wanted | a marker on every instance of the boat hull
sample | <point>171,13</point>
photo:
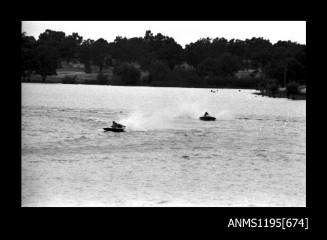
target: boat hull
<point>207,118</point>
<point>114,129</point>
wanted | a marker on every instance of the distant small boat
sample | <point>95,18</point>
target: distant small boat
<point>207,118</point>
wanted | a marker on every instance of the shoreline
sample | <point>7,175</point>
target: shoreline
<point>143,85</point>
<point>281,94</point>
<point>122,85</point>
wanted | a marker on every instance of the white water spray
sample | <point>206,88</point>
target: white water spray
<point>170,111</point>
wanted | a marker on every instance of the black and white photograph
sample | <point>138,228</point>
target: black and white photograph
<point>163,113</point>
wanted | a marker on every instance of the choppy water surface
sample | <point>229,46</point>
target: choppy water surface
<point>253,155</point>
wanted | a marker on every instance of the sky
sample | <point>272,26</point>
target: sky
<point>184,32</point>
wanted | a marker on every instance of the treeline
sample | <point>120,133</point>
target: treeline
<point>204,63</point>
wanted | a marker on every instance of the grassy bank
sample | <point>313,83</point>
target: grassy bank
<point>73,76</point>
<point>283,94</point>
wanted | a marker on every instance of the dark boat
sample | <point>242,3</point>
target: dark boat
<point>114,129</point>
<point>207,118</point>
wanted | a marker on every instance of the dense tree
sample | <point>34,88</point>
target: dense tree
<point>237,48</point>
<point>259,52</point>
<point>165,49</point>
<point>183,77</point>
<point>272,86</point>
<point>102,79</point>
<point>196,52</point>
<point>85,54</point>
<point>28,45</point>
<point>292,89</point>
<point>100,53</point>
<point>54,40</point>
<point>70,46</point>
<point>230,63</point>
<point>213,62</point>
<point>158,72</point>
<point>218,47</point>
<point>288,62</point>
<point>128,74</point>
<point>130,50</point>
<point>46,61</point>
<point>210,67</point>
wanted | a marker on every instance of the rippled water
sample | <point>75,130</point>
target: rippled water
<point>253,155</point>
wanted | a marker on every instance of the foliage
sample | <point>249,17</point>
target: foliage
<point>183,77</point>
<point>220,81</point>
<point>85,54</point>
<point>248,82</point>
<point>27,56</point>
<point>288,62</point>
<point>272,86</point>
<point>164,48</point>
<point>99,50</point>
<point>225,65</point>
<point>158,71</point>
<point>87,67</point>
<point>70,46</point>
<point>128,74</point>
<point>198,51</point>
<point>214,61</point>
<point>102,79</point>
<point>209,67</point>
<point>69,79</point>
<point>46,61</point>
<point>292,88</point>
<point>229,63</point>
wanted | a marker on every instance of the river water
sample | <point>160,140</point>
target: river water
<point>253,155</point>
